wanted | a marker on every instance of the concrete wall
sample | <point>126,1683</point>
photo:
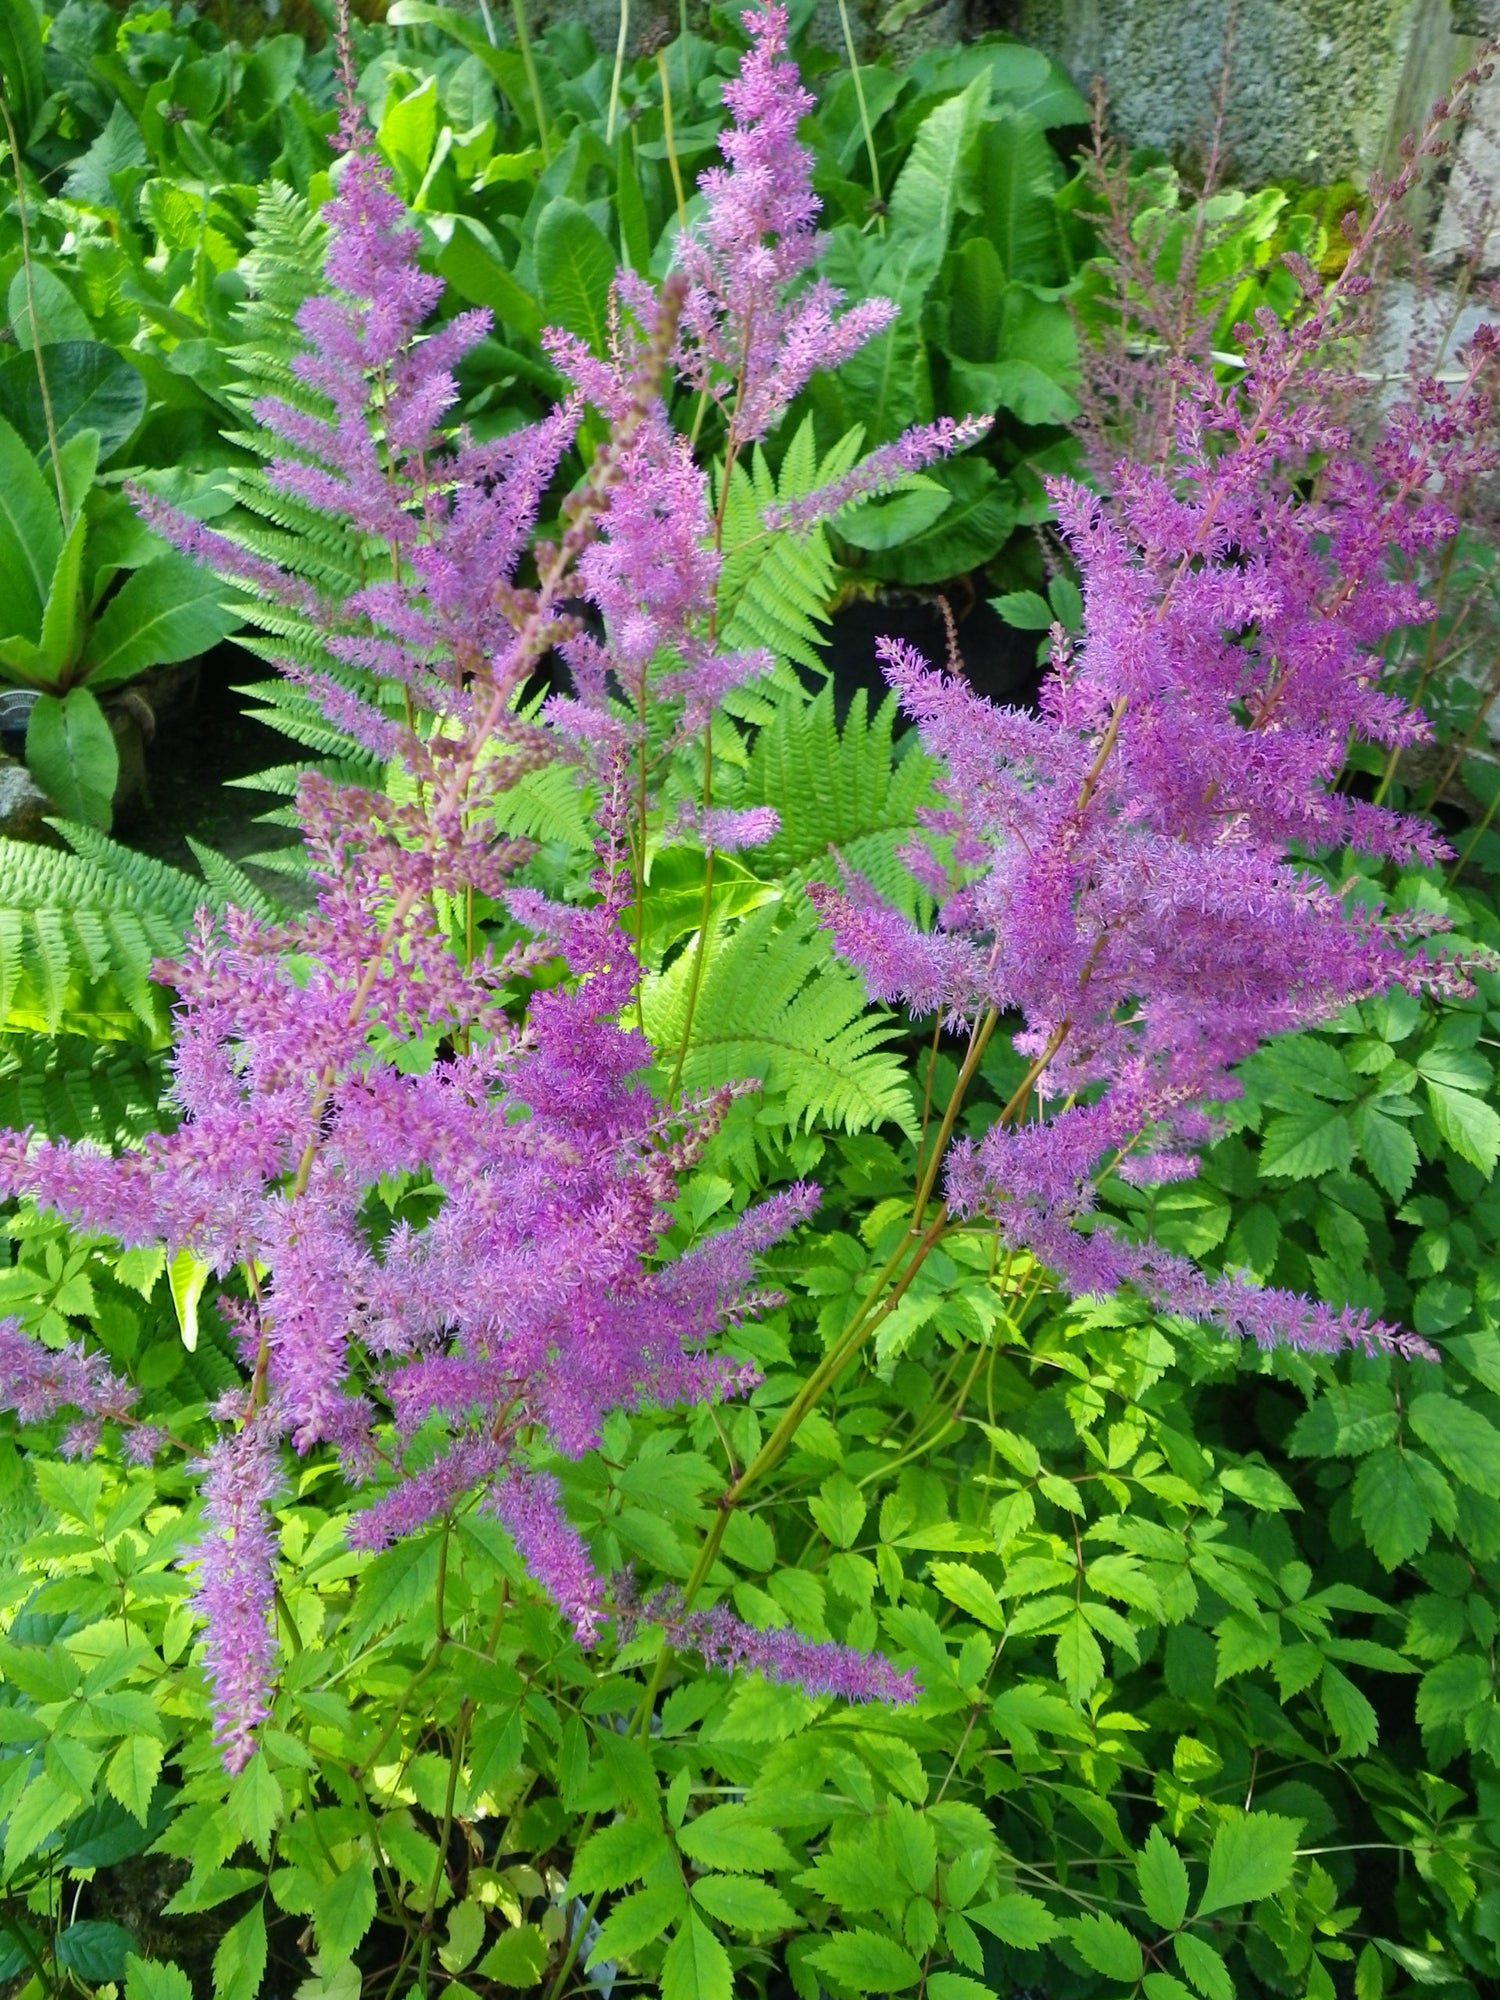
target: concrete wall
<point>1320,90</point>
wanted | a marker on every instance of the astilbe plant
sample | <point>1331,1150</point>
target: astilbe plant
<point>320,1060</point>
<point>1130,870</point>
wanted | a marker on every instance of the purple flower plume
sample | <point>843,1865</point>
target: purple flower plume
<point>817,1666</point>
<point>1126,872</point>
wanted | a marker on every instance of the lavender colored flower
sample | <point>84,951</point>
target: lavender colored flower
<point>237,1585</point>
<point>1125,875</point>
<point>38,1382</point>
<point>817,1666</point>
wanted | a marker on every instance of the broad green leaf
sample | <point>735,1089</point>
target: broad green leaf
<point>116,150</point>
<point>729,1836</point>
<point>166,611</point>
<point>575,268</point>
<point>1019,175</point>
<point>1467,1443</point>
<point>696,1966</point>
<point>615,1855</point>
<point>240,1961</point>
<point>94,1951</point>
<point>936,184</point>
<point>1251,1857</point>
<point>474,264</point>
<point>30,532</point>
<point>407,132</point>
<point>891,519</point>
<point>58,314</point>
<point>867,1962</point>
<point>1162,1878</point>
<point>1017,1919</point>
<point>972,529</point>
<point>345,1910</point>
<point>21,67</point>
<point>744,1903</point>
<point>91,387</point>
<point>1104,1943</point>
<point>62,614</point>
<point>70,750</point>
<point>187,1274</point>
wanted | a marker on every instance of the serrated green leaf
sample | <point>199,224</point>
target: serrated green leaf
<point>1162,1878</point>
<point>1396,1496</point>
<point>614,1856</point>
<point>1104,1943</point>
<point>240,1961</point>
<point>1204,1966</point>
<point>345,1911</point>
<point>1251,1857</point>
<point>132,1772</point>
<point>963,1585</point>
<point>696,1966</point>
<point>518,1957</point>
<point>1466,1442</point>
<point>729,1836</point>
<point>1017,1919</point>
<point>150,1979</point>
<point>867,1962</point>
<point>638,1920</point>
<point>744,1903</point>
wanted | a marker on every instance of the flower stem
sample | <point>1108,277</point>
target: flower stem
<point>864,116</point>
<point>538,105</point>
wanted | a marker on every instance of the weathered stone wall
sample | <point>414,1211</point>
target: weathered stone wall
<point>1320,89</point>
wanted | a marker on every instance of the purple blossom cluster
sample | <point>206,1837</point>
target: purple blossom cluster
<point>817,1666</point>
<point>1117,868</point>
<point>365,1045</point>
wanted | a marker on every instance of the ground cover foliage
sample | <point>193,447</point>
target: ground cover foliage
<point>1191,1643</point>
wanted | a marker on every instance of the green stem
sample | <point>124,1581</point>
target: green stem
<point>1481,828</point>
<point>669,138</point>
<point>36,331</point>
<point>538,106</point>
<point>700,943</point>
<point>460,1736</point>
<point>864,115</point>
<point>614,80</point>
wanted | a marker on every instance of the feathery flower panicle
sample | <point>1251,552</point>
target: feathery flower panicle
<point>1125,875</point>
<point>236,1590</point>
<point>536,1299</point>
<point>816,1666</point>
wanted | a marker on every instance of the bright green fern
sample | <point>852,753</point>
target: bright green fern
<point>775,1004</point>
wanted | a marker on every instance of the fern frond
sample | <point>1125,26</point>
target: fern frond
<point>68,1088</point>
<point>774,1003</point>
<point>845,794</point>
<point>775,586</point>
<point>229,884</point>
<point>79,933</point>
